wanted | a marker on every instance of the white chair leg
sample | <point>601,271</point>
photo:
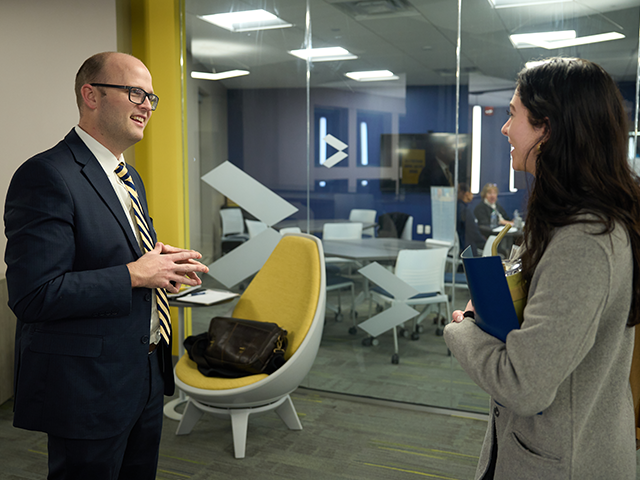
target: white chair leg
<point>190,417</point>
<point>239,424</point>
<point>287,412</point>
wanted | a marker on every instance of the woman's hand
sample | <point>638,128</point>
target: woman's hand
<point>458,315</point>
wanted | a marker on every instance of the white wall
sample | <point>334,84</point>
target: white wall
<point>42,45</point>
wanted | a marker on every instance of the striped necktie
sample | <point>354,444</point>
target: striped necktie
<point>161,295</point>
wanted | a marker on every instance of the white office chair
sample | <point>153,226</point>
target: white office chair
<point>396,225</point>
<point>453,261</point>
<point>423,270</point>
<point>290,230</point>
<point>254,227</point>
<point>407,231</point>
<point>341,231</point>
<point>364,216</point>
<point>335,281</point>
<point>338,283</point>
<point>233,233</point>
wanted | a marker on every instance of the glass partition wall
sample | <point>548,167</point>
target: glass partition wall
<point>321,111</point>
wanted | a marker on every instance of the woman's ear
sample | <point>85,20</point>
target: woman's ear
<point>546,129</point>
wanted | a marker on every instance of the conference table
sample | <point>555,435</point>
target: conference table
<point>368,250</point>
<point>316,225</point>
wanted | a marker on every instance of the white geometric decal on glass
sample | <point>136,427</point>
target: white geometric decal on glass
<point>246,259</point>
<point>401,291</point>
<point>339,155</point>
<point>249,194</point>
<point>265,205</point>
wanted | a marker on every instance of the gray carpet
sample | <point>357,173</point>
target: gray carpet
<point>340,439</point>
<point>352,427</point>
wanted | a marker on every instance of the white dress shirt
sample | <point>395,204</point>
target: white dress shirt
<point>109,163</point>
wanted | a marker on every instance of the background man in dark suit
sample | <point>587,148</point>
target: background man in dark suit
<point>91,365</point>
<point>440,161</point>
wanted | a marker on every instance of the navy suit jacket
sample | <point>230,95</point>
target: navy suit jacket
<point>82,336</point>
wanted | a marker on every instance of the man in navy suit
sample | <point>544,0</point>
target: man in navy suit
<point>91,366</point>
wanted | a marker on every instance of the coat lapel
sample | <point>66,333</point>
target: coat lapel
<point>94,173</point>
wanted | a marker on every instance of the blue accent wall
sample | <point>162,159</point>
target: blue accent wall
<point>432,109</point>
<point>427,109</point>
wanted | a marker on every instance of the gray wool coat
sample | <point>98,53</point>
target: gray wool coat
<point>561,405</point>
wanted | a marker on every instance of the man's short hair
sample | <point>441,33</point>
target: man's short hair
<point>90,72</point>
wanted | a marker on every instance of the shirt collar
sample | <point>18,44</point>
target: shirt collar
<point>107,160</point>
<point>492,205</point>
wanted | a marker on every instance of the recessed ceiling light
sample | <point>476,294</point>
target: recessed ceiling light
<point>372,76</point>
<point>219,76</point>
<point>561,39</point>
<point>327,54</point>
<point>536,63</point>
<point>533,40</point>
<point>522,3</point>
<point>246,21</point>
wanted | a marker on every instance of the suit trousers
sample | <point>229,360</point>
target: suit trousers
<point>132,455</point>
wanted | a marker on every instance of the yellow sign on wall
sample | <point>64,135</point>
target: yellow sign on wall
<point>412,161</point>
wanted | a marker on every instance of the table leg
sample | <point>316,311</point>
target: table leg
<point>170,408</point>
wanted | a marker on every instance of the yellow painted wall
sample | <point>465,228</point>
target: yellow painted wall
<point>156,39</point>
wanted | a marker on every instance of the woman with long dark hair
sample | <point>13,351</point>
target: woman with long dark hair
<point>561,404</point>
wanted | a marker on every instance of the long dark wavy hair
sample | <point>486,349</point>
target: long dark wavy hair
<point>580,159</point>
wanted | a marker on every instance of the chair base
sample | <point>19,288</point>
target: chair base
<point>239,419</point>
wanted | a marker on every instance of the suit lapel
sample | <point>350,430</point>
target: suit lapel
<point>94,173</point>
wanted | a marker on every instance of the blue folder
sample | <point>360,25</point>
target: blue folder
<point>495,313</point>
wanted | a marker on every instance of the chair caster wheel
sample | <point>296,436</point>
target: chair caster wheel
<point>353,331</point>
<point>403,333</point>
<point>439,332</point>
<point>367,342</point>
<point>395,359</point>
<point>339,317</point>
<point>415,336</point>
<point>420,329</point>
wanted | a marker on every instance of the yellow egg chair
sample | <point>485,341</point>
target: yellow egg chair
<point>289,290</point>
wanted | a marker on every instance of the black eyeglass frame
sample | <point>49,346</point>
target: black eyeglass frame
<point>153,99</point>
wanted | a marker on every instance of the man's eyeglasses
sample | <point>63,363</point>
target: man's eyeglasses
<point>136,95</point>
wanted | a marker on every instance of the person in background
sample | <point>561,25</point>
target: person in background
<point>490,208</point>
<point>467,225</point>
<point>439,166</point>
<point>561,402</point>
<point>87,279</point>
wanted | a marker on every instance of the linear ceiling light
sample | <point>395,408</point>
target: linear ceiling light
<point>219,76</point>
<point>522,3</point>
<point>562,39</point>
<point>327,54</point>
<point>246,21</point>
<point>372,76</point>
